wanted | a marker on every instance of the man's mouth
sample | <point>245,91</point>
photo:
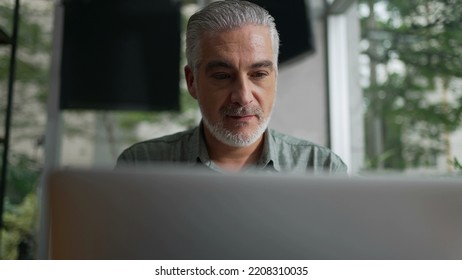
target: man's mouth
<point>242,118</point>
<point>242,114</point>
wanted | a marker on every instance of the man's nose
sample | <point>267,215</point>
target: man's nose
<point>242,91</point>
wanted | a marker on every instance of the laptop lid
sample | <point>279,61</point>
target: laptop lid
<point>193,214</point>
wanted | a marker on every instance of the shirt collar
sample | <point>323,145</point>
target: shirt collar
<point>269,159</point>
<point>198,149</point>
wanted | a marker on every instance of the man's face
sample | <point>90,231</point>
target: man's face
<point>235,83</point>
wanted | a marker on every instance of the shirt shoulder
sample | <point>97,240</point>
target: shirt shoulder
<point>173,147</point>
<point>292,153</point>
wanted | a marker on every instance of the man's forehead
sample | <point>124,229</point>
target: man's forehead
<point>250,44</point>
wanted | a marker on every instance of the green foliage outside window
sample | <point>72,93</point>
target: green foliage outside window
<point>412,112</point>
<point>28,123</point>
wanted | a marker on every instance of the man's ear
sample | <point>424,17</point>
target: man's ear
<point>188,73</point>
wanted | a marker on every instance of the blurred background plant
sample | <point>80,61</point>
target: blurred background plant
<point>412,89</point>
<point>28,123</point>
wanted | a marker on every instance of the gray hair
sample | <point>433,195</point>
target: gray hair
<point>226,15</point>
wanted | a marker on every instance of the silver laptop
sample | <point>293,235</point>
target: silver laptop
<point>195,214</point>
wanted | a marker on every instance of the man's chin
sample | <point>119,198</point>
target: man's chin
<point>237,133</point>
<point>243,131</point>
<point>247,135</point>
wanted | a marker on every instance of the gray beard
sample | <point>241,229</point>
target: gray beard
<point>237,139</point>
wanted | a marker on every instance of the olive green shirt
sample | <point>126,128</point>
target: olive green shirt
<point>281,153</point>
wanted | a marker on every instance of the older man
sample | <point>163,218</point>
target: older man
<point>232,51</point>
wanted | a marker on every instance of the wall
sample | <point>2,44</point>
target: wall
<point>301,105</point>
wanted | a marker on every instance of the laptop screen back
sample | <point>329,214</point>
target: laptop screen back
<point>185,214</point>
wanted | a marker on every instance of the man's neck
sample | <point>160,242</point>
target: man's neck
<point>231,158</point>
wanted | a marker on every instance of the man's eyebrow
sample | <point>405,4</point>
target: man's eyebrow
<point>216,64</point>
<point>223,64</point>
<point>263,64</point>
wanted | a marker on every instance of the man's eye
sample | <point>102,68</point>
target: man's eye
<point>259,75</point>
<point>221,76</point>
